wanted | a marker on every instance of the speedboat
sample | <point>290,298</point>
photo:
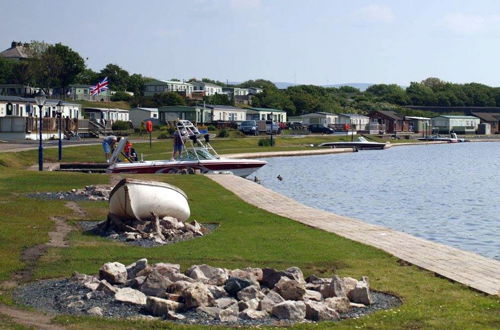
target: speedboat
<point>136,199</point>
<point>453,138</point>
<point>360,144</point>
<point>196,155</point>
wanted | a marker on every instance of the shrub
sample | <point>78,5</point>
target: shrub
<point>120,125</point>
<point>238,134</point>
<point>223,133</point>
<point>121,96</point>
<point>164,136</point>
<point>211,128</point>
<point>266,142</point>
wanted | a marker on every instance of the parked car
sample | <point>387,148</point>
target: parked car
<point>249,127</point>
<point>268,125</point>
<point>319,128</point>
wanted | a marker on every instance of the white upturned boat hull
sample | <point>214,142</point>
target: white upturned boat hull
<point>137,199</point>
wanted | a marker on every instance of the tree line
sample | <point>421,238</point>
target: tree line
<point>59,66</point>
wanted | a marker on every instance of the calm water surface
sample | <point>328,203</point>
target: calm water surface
<point>444,193</point>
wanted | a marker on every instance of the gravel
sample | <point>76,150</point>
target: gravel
<point>68,297</point>
<point>91,227</point>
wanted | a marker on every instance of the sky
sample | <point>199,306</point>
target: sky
<point>309,42</point>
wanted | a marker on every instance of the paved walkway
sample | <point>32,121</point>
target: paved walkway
<point>288,153</point>
<point>468,268</point>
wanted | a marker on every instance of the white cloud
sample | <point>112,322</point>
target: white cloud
<point>376,13</point>
<point>468,24</point>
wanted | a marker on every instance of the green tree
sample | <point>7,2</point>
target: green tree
<point>54,66</point>
<point>135,84</point>
<point>117,77</point>
<point>168,98</point>
<point>6,70</point>
<point>87,77</point>
<point>220,99</point>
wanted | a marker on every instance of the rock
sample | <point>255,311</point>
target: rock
<point>250,292</point>
<point>178,287</point>
<point>334,289</point>
<point>113,272</point>
<point>227,315</point>
<point>196,225</point>
<point>314,286</point>
<point>290,310</point>
<point>250,314</point>
<point>96,311</point>
<point>217,291</point>
<point>212,311</point>
<point>225,302</point>
<point>174,316</point>
<point>290,289</point>
<point>130,296</point>
<point>340,304</point>
<point>271,299</point>
<point>76,304</point>
<point>135,282</point>
<point>316,311</point>
<point>239,273</point>
<point>196,295</point>
<point>160,307</point>
<point>361,293</point>
<point>312,295</point>
<point>249,304</point>
<point>313,279</point>
<point>171,223</point>
<point>136,267</point>
<point>235,284</point>
<point>193,229</point>
<point>166,268</point>
<point>174,277</point>
<point>145,272</point>
<point>155,285</point>
<point>295,273</point>
<point>130,236</point>
<point>208,274</point>
<point>356,305</point>
<point>106,287</point>
<point>349,283</point>
<point>271,276</point>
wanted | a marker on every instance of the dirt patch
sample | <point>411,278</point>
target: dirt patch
<point>77,209</point>
<point>30,319</point>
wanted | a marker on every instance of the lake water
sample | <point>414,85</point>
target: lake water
<point>448,193</point>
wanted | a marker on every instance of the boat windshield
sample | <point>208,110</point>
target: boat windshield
<point>362,139</point>
<point>197,153</point>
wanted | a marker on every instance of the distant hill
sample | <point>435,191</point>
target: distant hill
<point>361,86</point>
<point>284,85</point>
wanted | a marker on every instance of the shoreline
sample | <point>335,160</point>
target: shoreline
<point>470,269</point>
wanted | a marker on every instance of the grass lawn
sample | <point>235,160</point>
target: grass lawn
<point>246,236</point>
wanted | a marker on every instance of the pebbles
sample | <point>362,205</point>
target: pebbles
<point>196,297</point>
<point>92,193</point>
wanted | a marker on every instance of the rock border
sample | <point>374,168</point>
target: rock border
<point>207,295</point>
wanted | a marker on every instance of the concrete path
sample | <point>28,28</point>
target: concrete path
<point>288,153</point>
<point>468,268</point>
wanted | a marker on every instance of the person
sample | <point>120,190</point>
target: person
<point>127,149</point>
<point>178,144</point>
<point>108,144</point>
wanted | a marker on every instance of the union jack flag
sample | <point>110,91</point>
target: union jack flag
<point>100,87</point>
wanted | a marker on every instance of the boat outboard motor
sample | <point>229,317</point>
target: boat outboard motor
<point>193,138</point>
<point>207,138</point>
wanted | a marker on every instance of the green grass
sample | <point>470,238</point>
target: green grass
<point>247,236</point>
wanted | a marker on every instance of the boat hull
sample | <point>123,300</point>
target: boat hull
<point>239,167</point>
<point>136,199</point>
